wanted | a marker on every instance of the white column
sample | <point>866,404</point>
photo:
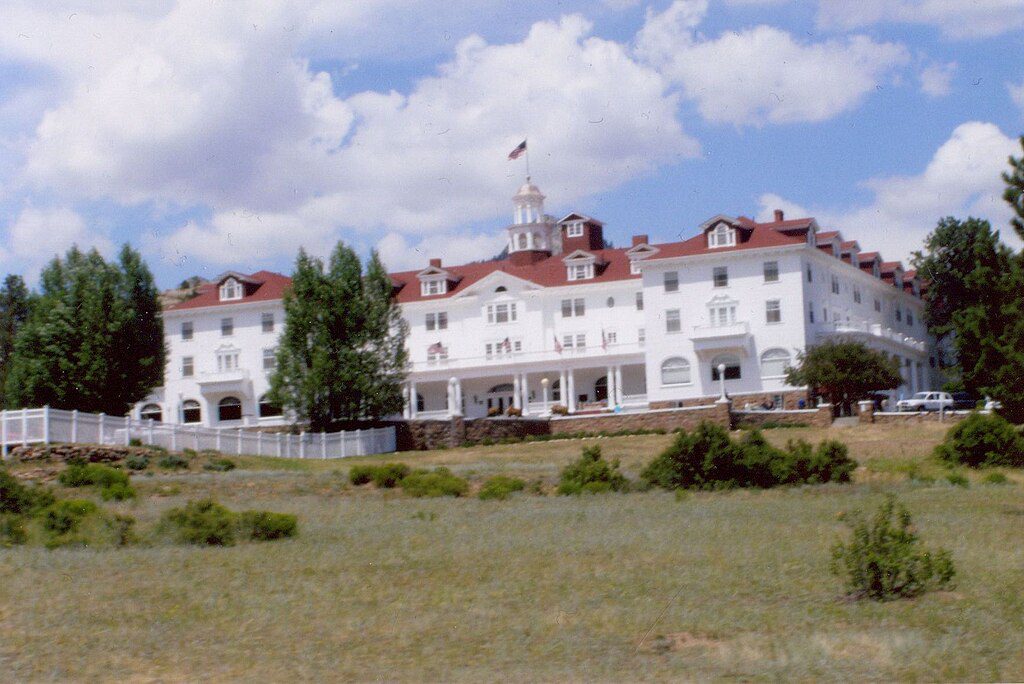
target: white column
<point>458,396</point>
<point>563,389</point>
<point>526,395</point>
<point>412,400</point>
<point>618,385</point>
<point>914,388</point>
<point>406,413</point>
<point>609,374</point>
<point>517,392</point>
<point>571,389</point>
<point>544,390</point>
<point>453,409</point>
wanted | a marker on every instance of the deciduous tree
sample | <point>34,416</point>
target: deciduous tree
<point>844,371</point>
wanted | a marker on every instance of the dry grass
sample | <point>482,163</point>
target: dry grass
<point>611,588</point>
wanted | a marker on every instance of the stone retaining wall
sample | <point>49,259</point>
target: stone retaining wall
<point>818,417</point>
<point>791,400</point>
<point>93,453</point>
<point>417,435</point>
<point>663,419</point>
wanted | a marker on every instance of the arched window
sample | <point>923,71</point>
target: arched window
<point>675,371</point>
<point>538,241</point>
<point>732,367</point>
<point>501,288</point>
<point>601,388</point>
<point>268,409</point>
<point>774,363</point>
<point>151,412</point>
<point>229,408</point>
<point>190,411</point>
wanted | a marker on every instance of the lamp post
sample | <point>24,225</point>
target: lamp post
<point>721,381</point>
<point>544,385</point>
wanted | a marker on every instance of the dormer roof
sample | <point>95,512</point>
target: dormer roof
<point>262,286</point>
<point>240,277</point>
<point>574,216</point>
<point>580,256</point>
<point>641,251</point>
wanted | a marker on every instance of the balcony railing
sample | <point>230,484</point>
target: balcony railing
<point>715,332</point>
<point>224,376</point>
<point>591,352</point>
<point>872,330</point>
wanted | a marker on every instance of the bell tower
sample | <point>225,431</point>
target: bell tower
<point>530,235</point>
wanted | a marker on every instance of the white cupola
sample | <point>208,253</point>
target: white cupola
<point>529,204</point>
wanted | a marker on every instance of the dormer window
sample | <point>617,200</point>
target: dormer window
<point>722,236</point>
<point>230,289</point>
<point>430,288</point>
<point>580,271</point>
<point>634,267</point>
<point>574,229</point>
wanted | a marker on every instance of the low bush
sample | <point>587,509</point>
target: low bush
<point>591,474</point>
<point>74,522</point>
<point>92,474</point>
<point>19,499</point>
<point>957,480</point>
<point>361,474</point>
<point>219,465</point>
<point>266,525</point>
<point>559,410</point>
<point>884,558</point>
<point>982,440</point>
<point>189,453</point>
<point>173,462</point>
<point>12,530</point>
<point>707,458</point>
<point>513,412</point>
<point>493,411</point>
<point>137,462</point>
<point>117,492</point>
<point>995,479</point>
<point>501,487</point>
<point>439,482</point>
<point>203,522</point>
<point>389,475</point>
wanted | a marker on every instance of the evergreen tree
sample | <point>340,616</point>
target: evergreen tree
<point>342,353</point>
<point>93,340</point>
<point>1014,192</point>
<point>844,372</point>
<point>14,309</point>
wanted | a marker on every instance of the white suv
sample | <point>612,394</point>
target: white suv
<point>926,401</point>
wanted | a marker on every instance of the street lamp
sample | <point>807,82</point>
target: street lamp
<point>544,384</point>
<point>721,381</point>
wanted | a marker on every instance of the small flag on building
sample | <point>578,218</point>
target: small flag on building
<point>436,348</point>
<point>507,344</point>
<point>519,151</point>
<point>604,340</point>
<point>558,345</point>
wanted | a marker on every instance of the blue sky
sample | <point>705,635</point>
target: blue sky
<point>219,136</point>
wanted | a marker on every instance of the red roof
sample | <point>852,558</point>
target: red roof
<point>268,286</point>
<point>827,235</point>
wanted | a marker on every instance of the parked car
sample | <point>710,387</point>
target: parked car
<point>964,401</point>
<point>926,401</point>
<point>992,405</point>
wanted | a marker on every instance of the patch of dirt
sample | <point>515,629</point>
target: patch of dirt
<point>678,641</point>
<point>37,474</point>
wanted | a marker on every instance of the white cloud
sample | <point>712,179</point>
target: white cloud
<point>957,19</point>
<point>936,79</point>
<point>399,254</point>
<point>1016,92</point>
<point>38,235</point>
<point>762,74</point>
<point>962,178</point>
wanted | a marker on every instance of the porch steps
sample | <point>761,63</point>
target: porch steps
<point>846,421</point>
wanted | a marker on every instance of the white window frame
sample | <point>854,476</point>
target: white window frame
<point>188,366</point>
<point>576,307</point>
<point>496,349</point>
<point>641,336</point>
<point>231,290</point>
<point>437,356</point>
<point>495,310</point>
<point>721,312</point>
<point>190,327</point>
<point>436,320</point>
<point>774,356</point>
<point>433,287</point>
<point>671,281</point>
<point>580,271</point>
<point>640,300</point>
<point>722,271</point>
<point>721,236</point>
<point>673,318</point>
<point>269,358</point>
<point>267,322</point>
<point>684,368</point>
<point>227,360</point>
<point>771,268</point>
<point>634,267</point>
<point>856,294</point>
<point>227,326</point>
<point>773,309</point>
<point>574,229</point>
<point>835,285</point>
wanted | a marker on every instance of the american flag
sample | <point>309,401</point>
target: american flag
<point>436,348</point>
<point>507,344</point>
<point>604,340</point>
<point>558,345</point>
<point>519,151</point>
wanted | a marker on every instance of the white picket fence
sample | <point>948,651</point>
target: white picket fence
<point>46,426</point>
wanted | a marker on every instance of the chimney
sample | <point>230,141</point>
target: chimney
<point>640,240</point>
<point>779,215</point>
<point>436,263</point>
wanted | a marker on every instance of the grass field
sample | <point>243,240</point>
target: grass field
<point>639,586</point>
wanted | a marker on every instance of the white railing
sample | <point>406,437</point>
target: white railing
<point>874,330</point>
<point>47,426</point>
<point>594,351</point>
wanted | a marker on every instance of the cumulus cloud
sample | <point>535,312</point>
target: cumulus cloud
<point>936,79</point>
<point>957,20</point>
<point>962,178</point>
<point>762,74</point>
<point>402,254</point>
<point>38,234</point>
<point>1016,92</point>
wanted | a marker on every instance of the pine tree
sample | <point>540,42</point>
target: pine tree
<point>93,340</point>
<point>14,310</point>
<point>386,331</point>
<point>1014,192</point>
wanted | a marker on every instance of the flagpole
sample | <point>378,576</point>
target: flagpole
<point>527,141</point>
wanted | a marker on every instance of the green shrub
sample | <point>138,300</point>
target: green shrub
<point>67,515</point>
<point>591,474</point>
<point>361,474</point>
<point>982,440</point>
<point>12,530</point>
<point>884,558</point>
<point>84,475</point>
<point>219,465</point>
<point>203,522</point>
<point>137,462</point>
<point>173,462</point>
<point>117,492</point>
<point>501,487</point>
<point>189,453</point>
<point>19,499</point>
<point>266,525</point>
<point>439,482</point>
<point>994,478</point>
<point>957,480</point>
<point>708,459</point>
<point>389,475</point>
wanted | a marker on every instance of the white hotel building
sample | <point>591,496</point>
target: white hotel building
<point>564,321</point>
